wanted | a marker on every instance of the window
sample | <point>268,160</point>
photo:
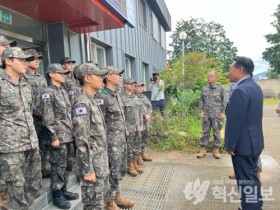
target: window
<point>145,74</point>
<point>155,28</point>
<point>127,67</point>
<point>163,41</point>
<point>143,13</point>
<point>98,55</point>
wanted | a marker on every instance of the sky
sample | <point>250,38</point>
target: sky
<point>245,22</point>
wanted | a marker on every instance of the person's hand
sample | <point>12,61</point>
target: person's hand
<point>147,117</point>
<point>126,133</point>
<point>221,116</point>
<point>230,153</point>
<point>55,144</point>
<point>202,114</point>
<point>141,129</point>
<point>277,110</point>
<point>91,177</point>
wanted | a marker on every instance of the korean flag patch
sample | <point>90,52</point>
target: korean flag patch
<point>45,96</point>
<point>100,101</point>
<point>81,111</point>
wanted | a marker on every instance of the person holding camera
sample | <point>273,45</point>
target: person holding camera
<point>157,88</point>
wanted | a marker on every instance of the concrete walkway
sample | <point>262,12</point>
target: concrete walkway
<point>219,192</point>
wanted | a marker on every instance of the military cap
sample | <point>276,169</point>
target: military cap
<point>139,84</point>
<point>14,52</point>
<point>113,70</point>
<point>128,80</point>
<point>4,42</point>
<point>89,69</point>
<point>56,68</point>
<point>66,60</point>
<point>33,52</point>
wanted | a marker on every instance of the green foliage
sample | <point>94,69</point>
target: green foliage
<point>272,54</point>
<point>202,36</point>
<point>273,74</point>
<point>197,66</point>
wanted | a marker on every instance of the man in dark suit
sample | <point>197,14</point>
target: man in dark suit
<point>243,135</point>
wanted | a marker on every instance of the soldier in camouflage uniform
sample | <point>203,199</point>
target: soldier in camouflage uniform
<point>212,104</point>
<point>147,110</point>
<point>20,162</point>
<point>134,124</point>
<point>72,86</point>
<point>38,84</point>
<point>90,136</point>
<point>57,120</point>
<point>4,43</point>
<point>112,107</point>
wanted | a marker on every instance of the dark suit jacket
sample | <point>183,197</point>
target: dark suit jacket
<point>243,133</point>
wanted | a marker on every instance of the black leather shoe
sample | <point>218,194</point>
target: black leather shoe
<point>69,195</point>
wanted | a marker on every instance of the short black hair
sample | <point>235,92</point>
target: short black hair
<point>245,63</point>
<point>3,64</point>
<point>155,74</point>
<point>82,81</point>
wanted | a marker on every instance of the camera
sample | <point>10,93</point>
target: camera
<point>155,77</point>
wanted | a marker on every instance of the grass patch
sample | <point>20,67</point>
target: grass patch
<point>271,101</point>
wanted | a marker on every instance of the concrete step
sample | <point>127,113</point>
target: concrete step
<point>76,204</point>
<point>45,199</point>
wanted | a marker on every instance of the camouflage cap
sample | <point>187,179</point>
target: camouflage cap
<point>4,42</point>
<point>128,80</point>
<point>139,84</point>
<point>33,52</point>
<point>56,68</point>
<point>89,69</point>
<point>113,70</point>
<point>66,60</point>
<point>14,52</point>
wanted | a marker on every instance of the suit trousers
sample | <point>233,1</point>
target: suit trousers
<point>249,186</point>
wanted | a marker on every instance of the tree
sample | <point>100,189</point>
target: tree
<point>197,66</point>
<point>209,38</point>
<point>272,54</point>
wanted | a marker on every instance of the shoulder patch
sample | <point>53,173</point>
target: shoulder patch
<point>81,111</point>
<point>105,91</point>
<point>45,96</point>
<point>71,93</point>
<point>100,101</point>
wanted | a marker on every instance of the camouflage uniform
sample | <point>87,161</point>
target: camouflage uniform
<point>20,162</point>
<point>212,103</point>
<point>57,119</point>
<point>134,121</point>
<point>90,135</point>
<point>112,107</point>
<point>147,109</point>
<point>73,89</point>
<point>38,84</point>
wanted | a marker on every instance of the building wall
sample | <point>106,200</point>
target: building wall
<point>138,44</point>
<point>270,87</point>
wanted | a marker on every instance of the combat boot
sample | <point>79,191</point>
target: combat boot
<point>232,176</point>
<point>145,158</point>
<point>216,153</point>
<point>131,169</point>
<point>112,206</point>
<point>69,195</point>
<point>123,202</point>
<point>137,168</point>
<point>202,152</point>
<point>140,160</point>
<point>4,200</point>
<point>46,173</point>
<point>59,200</point>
